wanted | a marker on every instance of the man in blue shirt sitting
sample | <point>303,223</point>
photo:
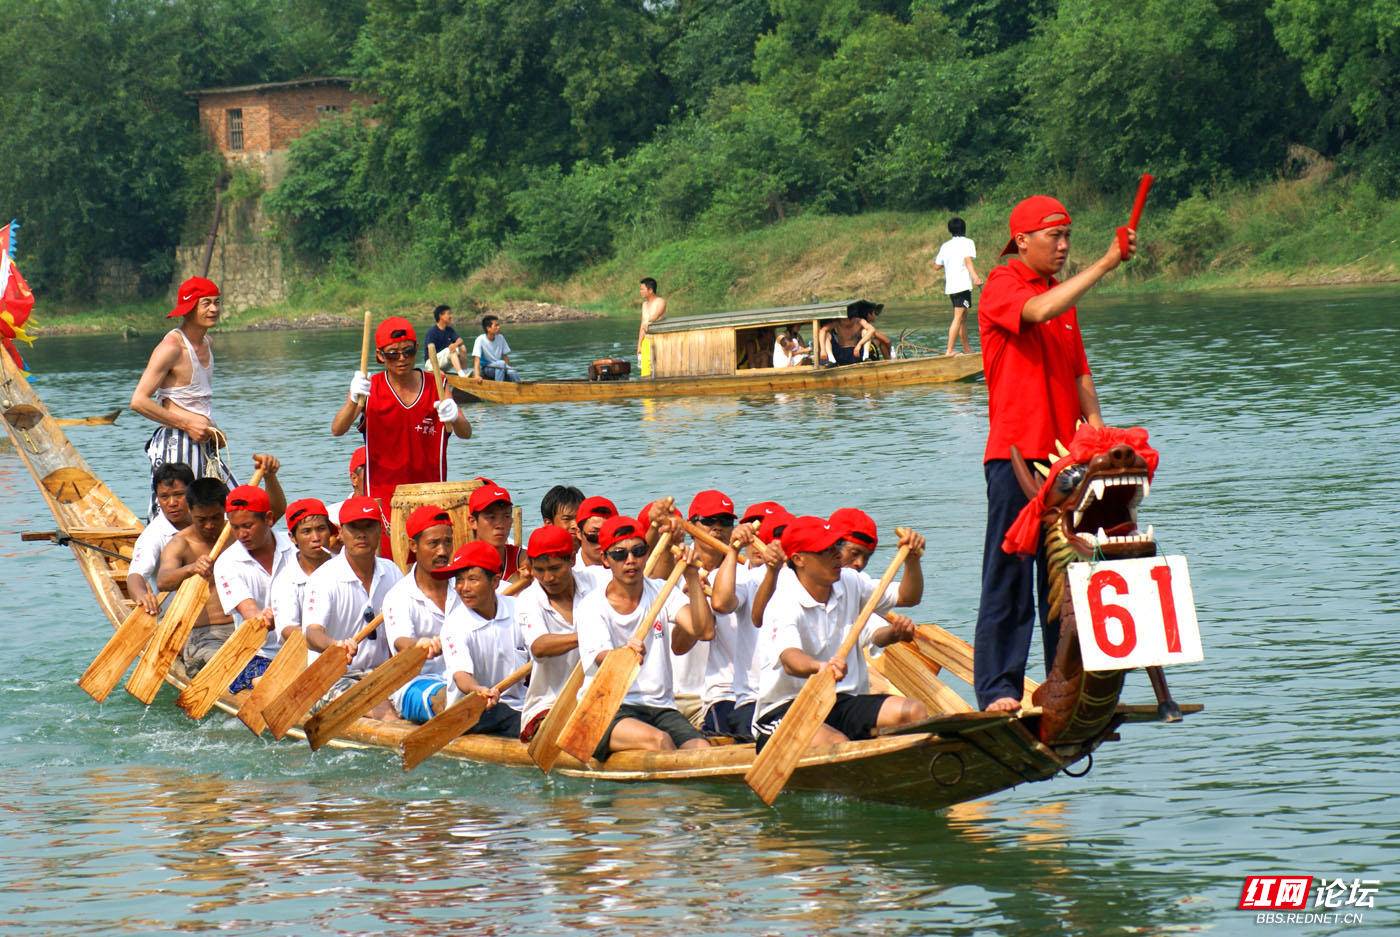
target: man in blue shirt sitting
<point>443,337</point>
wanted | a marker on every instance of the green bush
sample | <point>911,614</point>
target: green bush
<point>1194,232</point>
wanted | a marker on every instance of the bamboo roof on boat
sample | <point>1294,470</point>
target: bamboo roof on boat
<point>758,318</point>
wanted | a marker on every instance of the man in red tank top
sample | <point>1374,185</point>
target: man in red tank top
<point>403,420</point>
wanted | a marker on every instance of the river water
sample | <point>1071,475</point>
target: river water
<point>1275,415</point>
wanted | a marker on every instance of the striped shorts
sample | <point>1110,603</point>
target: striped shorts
<point>172,445</point>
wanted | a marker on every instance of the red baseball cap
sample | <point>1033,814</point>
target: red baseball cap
<point>857,526</point>
<point>618,529</point>
<point>477,553</point>
<point>359,508</point>
<point>773,526</point>
<point>189,294</point>
<point>248,498</point>
<point>596,506</point>
<point>644,515</point>
<point>550,541</point>
<point>358,458</point>
<point>757,512</point>
<point>1035,214</point>
<point>425,516</point>
<point>487,495</point>
<point>393,330</point>
<point>299,511</point>
<point>808,534</point>
<point>709,503</point>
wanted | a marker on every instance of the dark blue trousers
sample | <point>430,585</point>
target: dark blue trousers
<point>1006,614</point>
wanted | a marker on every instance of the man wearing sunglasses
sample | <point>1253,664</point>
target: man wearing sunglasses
<point>403,420</point>
<point>592,514</point>
<point>607,617</point>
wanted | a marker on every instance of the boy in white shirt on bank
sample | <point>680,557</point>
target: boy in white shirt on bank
<point>481,641</point>
<point>959,277</point>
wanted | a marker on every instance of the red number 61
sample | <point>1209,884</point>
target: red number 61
<point>1100,612</point>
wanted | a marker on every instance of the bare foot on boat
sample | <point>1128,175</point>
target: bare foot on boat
<point>1004,705</point>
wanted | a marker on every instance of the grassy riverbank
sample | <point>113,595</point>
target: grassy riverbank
<point>1314,230</point>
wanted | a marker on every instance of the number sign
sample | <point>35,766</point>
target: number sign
<point>1135,613</point>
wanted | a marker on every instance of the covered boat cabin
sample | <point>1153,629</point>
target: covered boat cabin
<point>733,342</point>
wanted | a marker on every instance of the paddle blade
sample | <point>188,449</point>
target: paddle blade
<point>169,639</point>
<point>303,692</point>
<point>377,686</point>
<point>600,702</point>
<point>544,747</point>
<point>106,669</point>
<point>770,771</point>
<point>285,667</point>
<point>917,678</point>
<point>223,668</point>
<point>431,736</point>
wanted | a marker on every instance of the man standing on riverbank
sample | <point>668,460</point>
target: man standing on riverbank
<point>653,311</point>
<point>1038,387</point>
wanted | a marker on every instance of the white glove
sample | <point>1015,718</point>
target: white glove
<point>359,386</point>
<point>447,410</point>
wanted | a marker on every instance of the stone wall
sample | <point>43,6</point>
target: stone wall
<point>249,273</point>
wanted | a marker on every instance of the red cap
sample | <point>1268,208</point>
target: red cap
<point>248,498</point>
<point>393,330</point>
<point>477,553</point>
<point>808,534</point>
<point>299,511</point>
<point>550,541</point>
<point>757,512</point>
<point>189,294</point>
<point>596,506</point>
<point>487,495</point>
<point>359,458</point>
<point>709,503</point>
<point>773,525</point>
<point>644,515</point>
<point>1034,214</point>
<point>618,529</point>
<point>359,508</point>
<point>857,526</point>
<point>425,516</point>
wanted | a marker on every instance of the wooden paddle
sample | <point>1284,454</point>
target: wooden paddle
<point>364,350</point>
<point>604,694</point>
<point>708,539</point>
<point>452,722</point>
<point>285,667</point>
<point>106,669</point>
<point>312,684</point>
<point>663,543</point>
<point>175,627</point>
<point>439,382</point>
<point>377,686</point>
<point>770,771</point>
<point>200,695</point>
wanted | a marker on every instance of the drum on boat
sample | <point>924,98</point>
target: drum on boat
<point>452,497</point>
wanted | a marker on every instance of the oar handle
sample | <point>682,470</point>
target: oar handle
<point>368,629</point>
<point>439,384</point>
<point>854,634</point>
<point>517,587</point>
<point>514,677</point>
<point>650,617</point>
<point>707,538</point>
<point>364,347</point>
<point>657,552</point>
<point>228,530</point>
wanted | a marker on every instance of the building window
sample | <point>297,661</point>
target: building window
<point>235,128</point>
<point>323,109</point>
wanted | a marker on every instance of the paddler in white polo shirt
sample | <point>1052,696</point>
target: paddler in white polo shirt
<point>243,573</point>
<point>481,642</point>
<point>310,527</point>
<point>415,608</point>
<point>347,593</point>
<point>592,512</point>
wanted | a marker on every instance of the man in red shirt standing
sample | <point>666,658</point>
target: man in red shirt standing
<point>1038,387</point>
<point>403,421</point>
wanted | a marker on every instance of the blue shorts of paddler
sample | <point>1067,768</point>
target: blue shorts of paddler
<point>244,681</point>
<point>416,704</point>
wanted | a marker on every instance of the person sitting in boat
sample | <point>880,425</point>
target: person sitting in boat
<point>481,643</point>
<point>451,350</point>
<point>243,573</point>
<point>309,525</point>
<point>859,537</point>
<point>877,343</point>
<point>186,555</point>
<point>788,350</point>
<point>560,507</point>
<point>815,604</point>
<point>753,518</point>
<point>172,481</point>
<point>843,341</point>
<point>545,611</point>
<point>176,390</point>
<point>593,513</point>
<point>491,353</point>
<point>608,616</point>
<point>346,594</point>
<point>489,511</point>
<point>414,611</point>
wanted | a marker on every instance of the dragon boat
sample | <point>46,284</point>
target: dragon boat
<point>957,755</point>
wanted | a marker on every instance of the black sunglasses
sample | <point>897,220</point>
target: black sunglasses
<point>619,554</point>
<point>593,537</point>
<point>715,520</point>
<point>409,352</point>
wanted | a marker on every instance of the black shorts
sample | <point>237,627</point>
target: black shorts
<point>724,718</point>
<point>963,299</point>
<point>670,721</point>
<point>854,716</point>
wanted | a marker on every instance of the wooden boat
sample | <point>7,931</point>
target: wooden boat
<point>957,756</point>
<point>730,354</point>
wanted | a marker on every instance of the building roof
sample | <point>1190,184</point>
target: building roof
<point>272,86</point>
<point>758,318</point>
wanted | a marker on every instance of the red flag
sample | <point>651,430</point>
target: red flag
<point>16,299</point>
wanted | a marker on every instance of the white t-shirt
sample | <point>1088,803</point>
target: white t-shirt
<point>537,618</point>
<point>237,576</point>
<point>952,255</point>
<point>288,590</point>
<point>727,670</point>
<point>602,628</point>
<point>488,649</point>
<point>490,350</point>
<point>794,619</point>
<point>145,555</point>
<point>410,613</point>
<point>336,600</point>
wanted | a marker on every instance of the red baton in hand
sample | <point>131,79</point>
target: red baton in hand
<point>1144,186</point>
